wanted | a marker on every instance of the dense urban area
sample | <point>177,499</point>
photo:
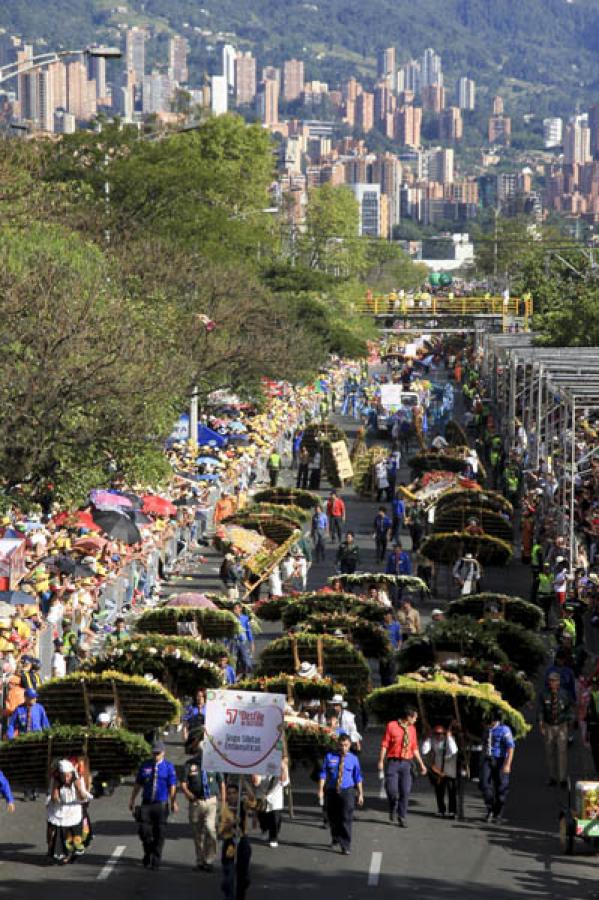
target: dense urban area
<point>299,452</point>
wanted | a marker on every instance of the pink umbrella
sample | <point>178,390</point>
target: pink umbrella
<point>108,500</point>
<point>191,599</point>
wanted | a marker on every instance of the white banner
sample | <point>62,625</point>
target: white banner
<point>244,732</point>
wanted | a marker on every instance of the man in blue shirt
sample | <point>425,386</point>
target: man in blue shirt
<point>29,716</point>
<point>318,531</point>
<point>6,792</point>
<point>157,781</point>
<point>339,789</point>
<point>387,666</point>
<point>244,642</point>
<point>498,755</point>
<point>382,529</point>
<point>398,511</point>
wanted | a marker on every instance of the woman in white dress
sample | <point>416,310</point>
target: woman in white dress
<point>270,800</point>
<point>67,836</point>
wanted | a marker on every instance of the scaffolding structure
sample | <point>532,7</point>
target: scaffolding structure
<point>552,391</point>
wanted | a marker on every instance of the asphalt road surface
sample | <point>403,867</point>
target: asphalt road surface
<point>435,859</point>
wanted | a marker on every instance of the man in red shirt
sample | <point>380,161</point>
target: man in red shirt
<point>400,746</point>
<point>336,514</point>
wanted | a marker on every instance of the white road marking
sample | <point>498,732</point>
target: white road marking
<point>112,861</point>
<point>375,868</point>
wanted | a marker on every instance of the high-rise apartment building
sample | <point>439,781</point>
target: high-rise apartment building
<point>553,132</point>
<point>408,124</point>
<point>409,77</point>
<point>465,94</point>
<point>431,70</point>
<point>437,164</point>
<point>365,111</point>
<point>158,92</point>
<point>433,97</point>
<point>500,125</point>
<point>293,79</point>
<point>267,101</point>
<point>135,52</point>
<point>451,125</point>
<point>219,95</point>
<point>387,66</point>
<point>577,142</point>
<point>228,54</point>
<point>369,202</point>
<point>81,92</point>
<point>384,102</point>
<point>178,49</point>
<point>245,78</point>
<point>96,71</point>
<point>37,99</point>
<point>593,119</point>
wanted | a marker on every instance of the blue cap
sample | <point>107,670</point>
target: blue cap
<point>30,694</point>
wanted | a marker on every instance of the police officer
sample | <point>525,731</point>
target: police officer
<point>545,592</point>
<point>29,716</point>
<point>498,750</point>
<point>340,788</point>
<point>157,781</point>
<point>274,467</point>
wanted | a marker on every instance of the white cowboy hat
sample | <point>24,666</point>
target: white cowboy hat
<point>307,670</point>
<point>337,699</point>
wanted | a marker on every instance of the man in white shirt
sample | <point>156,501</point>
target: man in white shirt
<point>347,721</point>
<point>440,752</point>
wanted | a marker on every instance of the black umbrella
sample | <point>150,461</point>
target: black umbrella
<point>68,566</point>
<point>117,526</point>
<point>134,498</point>
<point>139,517</point>
<point>17,598</point>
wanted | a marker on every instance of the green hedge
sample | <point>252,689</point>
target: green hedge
<point>143,705</point>
<point>372,640</point>
<point>182,670</point>
<point>491,500</point>
<point>437,697</point>
<point>297,609</point>
<point>288,497</point>
<point>342,662</point>
<point>25,760</point>
<point>447,548</point>
<point>456,518</point>
<point>514,609</point>
<point>212,623</point>
<point>299,688</point>
<point>406,582</point>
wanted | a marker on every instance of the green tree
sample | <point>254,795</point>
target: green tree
<point>330,241</point>
<point>389,267</point>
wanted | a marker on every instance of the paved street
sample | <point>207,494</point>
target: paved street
<point>436,859</point>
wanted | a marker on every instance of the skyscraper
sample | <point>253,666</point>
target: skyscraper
<point>158,91</point>
<point>293,79</point>
<point>553,132</point>
<point>430,68</point>
<point>227,57</point>
<point>369,202</point>
<point>177,59</point>
<point>267,101</point>
<point>433,97</point>
<point>408,123</point>
<point>594,129</point>
<point>96,70</point>
<point>37,99</point>
<point>386,65</point>
<point>81,92</point>
<point>466,94</point>
<point>577,141</point>
<point>500,125</point>
<point>409,77</point>
<point>135,52</point>
<point>451,126</point>
<point>365,111</point>
<point>219,95</point>
<point>245,78</point>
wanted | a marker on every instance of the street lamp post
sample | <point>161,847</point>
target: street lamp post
<point>46,59</point>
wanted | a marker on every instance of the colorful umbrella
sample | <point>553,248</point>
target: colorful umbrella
<point>90,543</point>
<point>80,519</point>
<point>109,500</point>
<point>158,506</point>
<point>191,599</point>
<point>117,526</point>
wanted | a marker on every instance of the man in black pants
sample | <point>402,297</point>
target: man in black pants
<point>341,779</point>
<point>157,781</point>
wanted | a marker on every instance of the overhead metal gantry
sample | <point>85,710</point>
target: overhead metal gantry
<point>552,390</point>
